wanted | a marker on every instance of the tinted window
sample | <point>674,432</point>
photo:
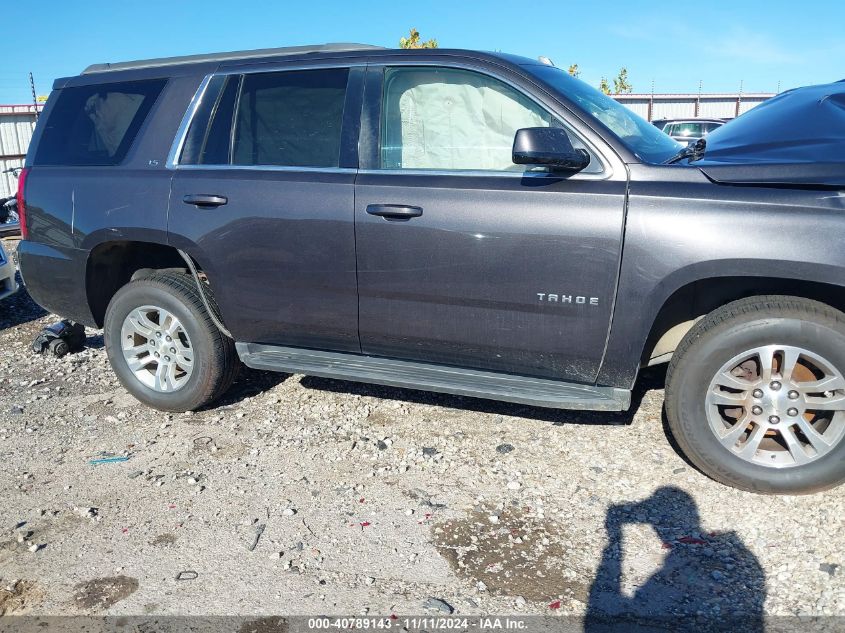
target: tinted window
<point>290,118</point>
<point>452,119</point>
<point>95,125</point>
<point>207,142</point>
<point>688,129</point>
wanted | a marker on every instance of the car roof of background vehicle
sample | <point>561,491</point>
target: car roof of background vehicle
<point>690,120</point>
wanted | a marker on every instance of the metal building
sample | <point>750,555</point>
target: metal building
<point>691,106</point>
<point>16,125</point>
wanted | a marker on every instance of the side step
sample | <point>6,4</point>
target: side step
<point>539,392</point>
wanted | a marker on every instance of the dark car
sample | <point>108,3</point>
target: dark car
<point>471,223</point>
<point>688,130</point>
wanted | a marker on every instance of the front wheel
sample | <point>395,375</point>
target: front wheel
<point>755,395</point>
<point>164,346</point>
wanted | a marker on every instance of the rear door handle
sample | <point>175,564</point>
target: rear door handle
<point>205,200</point>
<point>394,211</point>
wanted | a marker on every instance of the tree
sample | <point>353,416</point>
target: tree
<point>413,41</point>
<point>573,70</point>
<point>620,82</point>
<point>604,86</point>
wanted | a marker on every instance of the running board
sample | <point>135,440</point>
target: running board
<point>539,392</point>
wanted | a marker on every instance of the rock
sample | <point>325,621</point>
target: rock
<point>288,512</point>
<point>36,547</point>
<point>504,449</point>
<point>436,604</point>
<point>16,410</point>
<point>514,485</point>
<point>828,568</point>
<point>520,601</point>
<point>370,580</point>
<point>493,519</point>
<point>429,451</point>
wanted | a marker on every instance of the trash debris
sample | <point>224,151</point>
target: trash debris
<point>259,530</point>
<point>828,568</point>
<point>436,604</point>
<point>188,574</point>
<point>554,605</point>
<point>504,449</point>
<point>108,460</point>
<point>60,338</point>
<point>87,513</point>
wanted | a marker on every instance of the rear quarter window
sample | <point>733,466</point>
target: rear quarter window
<point>96,125</point>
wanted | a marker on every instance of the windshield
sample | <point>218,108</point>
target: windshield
<point>642,138</point>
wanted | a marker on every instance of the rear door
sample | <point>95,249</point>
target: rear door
<point>263,197</point>
<point>465,258</point>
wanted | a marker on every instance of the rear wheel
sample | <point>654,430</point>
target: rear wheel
<point>164,346</point>
<point>755,395</point>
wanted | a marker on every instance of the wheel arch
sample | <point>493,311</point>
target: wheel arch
<point>112,264</point>
<point>672,304</point>
<point>690,302</point>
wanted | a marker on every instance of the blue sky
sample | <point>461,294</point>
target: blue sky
<point>674,44</point>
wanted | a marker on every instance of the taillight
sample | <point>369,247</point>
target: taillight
<point>21,198</point>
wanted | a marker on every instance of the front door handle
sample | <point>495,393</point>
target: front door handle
<point>205,200</point>
<point>394,211</point>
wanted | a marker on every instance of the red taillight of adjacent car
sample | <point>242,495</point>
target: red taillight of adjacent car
<point>21,198</point>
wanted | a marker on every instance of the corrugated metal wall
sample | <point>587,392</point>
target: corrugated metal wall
<point>17,123</point>
<point>723,106</point>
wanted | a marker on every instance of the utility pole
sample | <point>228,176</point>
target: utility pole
<point>651,103</point>
<point>738,99</point>
<point>34,97</point>
<point>698,100</point>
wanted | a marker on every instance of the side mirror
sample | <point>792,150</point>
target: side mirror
<point>548,146</point>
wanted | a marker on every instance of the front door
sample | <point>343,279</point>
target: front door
<point>465,258</point>
<point>263,197</point>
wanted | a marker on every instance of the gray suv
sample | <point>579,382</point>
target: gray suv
<point>471,223</point>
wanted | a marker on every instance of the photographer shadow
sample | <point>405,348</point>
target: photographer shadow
<point>708,582</point>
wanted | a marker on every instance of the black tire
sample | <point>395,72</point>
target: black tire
<point>215,359</point>
<point>59,348</point>
<point>714,341</point>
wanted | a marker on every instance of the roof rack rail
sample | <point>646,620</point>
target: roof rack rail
<point>233,55</point>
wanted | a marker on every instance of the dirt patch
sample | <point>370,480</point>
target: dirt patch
<point>164,540</point>
<point>102,593</point>
<point>272,624</point>
<point>19,597</point>
<point>513,553</point>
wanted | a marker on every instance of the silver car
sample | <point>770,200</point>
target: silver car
<point>688,130</point>
<point>8,283</point>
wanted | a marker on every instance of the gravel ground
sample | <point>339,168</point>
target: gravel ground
<point>299,495</point>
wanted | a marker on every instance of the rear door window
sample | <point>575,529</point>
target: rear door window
<point>96,125</point>
<point>291,118</point>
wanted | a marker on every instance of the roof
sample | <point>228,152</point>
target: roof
<point>232,55</point>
